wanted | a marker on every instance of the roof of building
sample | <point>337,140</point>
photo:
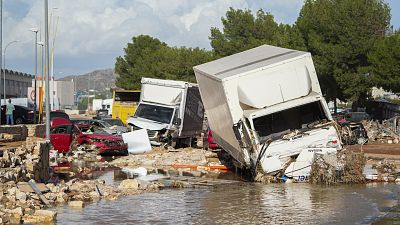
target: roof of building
<point>13,72</point>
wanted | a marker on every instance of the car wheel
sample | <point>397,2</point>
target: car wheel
<point>19,120</point>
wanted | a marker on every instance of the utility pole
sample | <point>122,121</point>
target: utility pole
<point>1,48</point>
<point>47,52</point>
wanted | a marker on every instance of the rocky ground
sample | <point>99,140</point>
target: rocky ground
<point>21,206</point>
<point>176,158</point>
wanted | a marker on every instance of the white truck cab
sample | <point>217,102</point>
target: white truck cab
<point>169,110</point>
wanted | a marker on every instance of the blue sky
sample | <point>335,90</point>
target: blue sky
<point>92,33</point>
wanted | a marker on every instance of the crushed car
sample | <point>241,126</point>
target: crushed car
<point>107,127</point>
<point>67,137</point>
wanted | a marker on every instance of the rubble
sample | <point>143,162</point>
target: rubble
<point>76,204</point>
<point>177,161</point>
<point>26,162</point>
<point>17,206</point>
<point>129,184</point>
<point>381,132</point>
<point>347,169</point>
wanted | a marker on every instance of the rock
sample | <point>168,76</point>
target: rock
<point>12,191</point>
<point>111,197</point>
<point>40,216</point>
<point>29,211</point>
<point>21,196</point>
<point>15,219</point>
<point>94,195</point>
<point>16,211</point>
<point>129,184</point>
<point>61,198</point>
<point>76,204</point>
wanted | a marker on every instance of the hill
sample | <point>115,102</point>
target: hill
<point>100,80</point>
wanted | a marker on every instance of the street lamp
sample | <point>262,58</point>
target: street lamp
<point>1,46</point>
<point>4,69</point>
<point>42,75</point>
<point>35,30</point>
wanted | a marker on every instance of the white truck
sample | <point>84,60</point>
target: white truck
<point>171,111</point>
<point>265,107</point>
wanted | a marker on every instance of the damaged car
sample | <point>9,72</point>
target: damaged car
<point>105,125</point>
<point>67,137</point>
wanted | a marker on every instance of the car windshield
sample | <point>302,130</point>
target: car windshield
<point>114,122</point>
<point>154,112</point>
<point>80,121</point>
<point>104,123</point>
<point>93,130</point>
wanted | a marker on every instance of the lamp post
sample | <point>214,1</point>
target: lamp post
<point>1,47</point>
<point>88,93</point>
<point>4,69</point>
<point>47,53</point>
<point>35,30</point>
<point>42,75</point>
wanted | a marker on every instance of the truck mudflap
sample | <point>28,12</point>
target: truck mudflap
<point>300,169</point>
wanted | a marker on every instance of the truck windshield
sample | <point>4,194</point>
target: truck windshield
<point>297,118</point>
<point>154,112</point>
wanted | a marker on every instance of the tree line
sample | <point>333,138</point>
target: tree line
<point>351,41</point>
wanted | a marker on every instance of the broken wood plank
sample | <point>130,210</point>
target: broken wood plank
<point>38,192</point>
<point>25,187</point>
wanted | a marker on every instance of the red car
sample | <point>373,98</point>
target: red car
<point>61,137</point>
<point>210,141</point>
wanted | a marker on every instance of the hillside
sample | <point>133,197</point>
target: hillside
<point>100,80</point>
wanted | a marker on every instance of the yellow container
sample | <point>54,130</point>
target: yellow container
<point>125,103</point>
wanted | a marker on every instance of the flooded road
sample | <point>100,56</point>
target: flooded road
<point>246,204</point>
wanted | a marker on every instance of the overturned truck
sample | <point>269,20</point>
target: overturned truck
<point>265,107</point>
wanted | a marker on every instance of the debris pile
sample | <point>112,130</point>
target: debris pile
<point>162,158</point>
<point>19,204</point>
<point>30,161</point>
<point>347,167</point>
<point>382,171</point>
<point>381,132</point>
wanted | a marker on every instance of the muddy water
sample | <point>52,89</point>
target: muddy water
<point>246,204</point>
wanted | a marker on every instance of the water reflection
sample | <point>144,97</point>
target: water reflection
<point>246,204</point>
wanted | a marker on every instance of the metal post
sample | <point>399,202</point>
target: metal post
<point>36,73</point>
<point>47,52</point>
<point>35,30</point>
<point>1,47</point>
<point>88,94</point>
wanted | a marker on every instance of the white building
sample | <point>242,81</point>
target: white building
<point>61,93</point>
<point>103,104</point>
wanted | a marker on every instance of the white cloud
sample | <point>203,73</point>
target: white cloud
<point>102,28</point>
